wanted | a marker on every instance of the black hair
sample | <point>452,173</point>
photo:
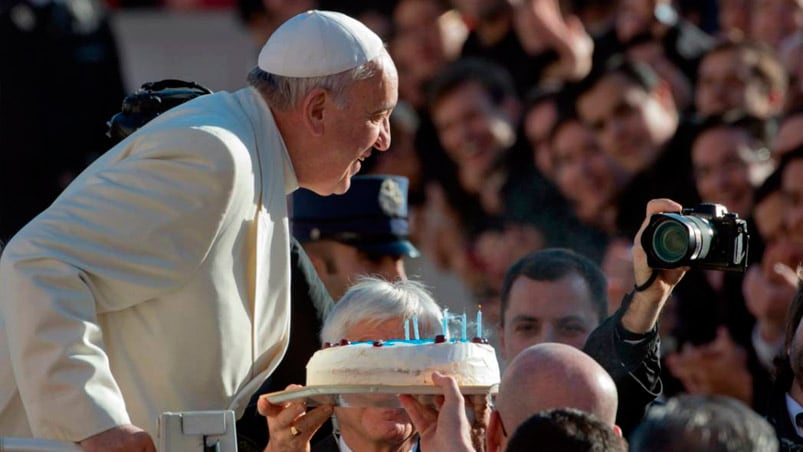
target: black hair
<point>761,131</point>
<point>635,72</point>
<point>494,79</point>
<point>565,430</point>
<point>552,264</point>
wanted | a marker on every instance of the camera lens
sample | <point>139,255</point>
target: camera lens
<point>670,241</point>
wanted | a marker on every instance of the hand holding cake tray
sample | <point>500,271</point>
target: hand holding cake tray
<point>372,373</point>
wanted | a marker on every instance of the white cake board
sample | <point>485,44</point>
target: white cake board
<point>368,395</point>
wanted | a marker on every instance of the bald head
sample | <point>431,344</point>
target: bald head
<point>552,375</point>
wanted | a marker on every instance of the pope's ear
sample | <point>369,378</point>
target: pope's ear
<point>313,108</point>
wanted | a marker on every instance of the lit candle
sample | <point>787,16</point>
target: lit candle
<point>479,321</point>
<point>415,327</point>
<point>446,323</point>
<point>406,329</point>
<point>463,329</point>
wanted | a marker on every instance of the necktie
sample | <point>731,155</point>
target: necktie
<point>799,420</point>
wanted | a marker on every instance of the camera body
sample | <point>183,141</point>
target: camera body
<point>706,236</point>
<point>148,102</point>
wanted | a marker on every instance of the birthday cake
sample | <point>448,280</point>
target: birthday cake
<point>403,363</point>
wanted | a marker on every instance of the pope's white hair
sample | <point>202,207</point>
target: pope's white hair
<point>376,300</point>
<point>284,93</point>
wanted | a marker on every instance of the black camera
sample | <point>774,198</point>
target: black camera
<point>706,236</point>
<point>148,102</point>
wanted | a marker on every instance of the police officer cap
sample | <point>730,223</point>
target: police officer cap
<point>319,43</point>
<point>371,216</point>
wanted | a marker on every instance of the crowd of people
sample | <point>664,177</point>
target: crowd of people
<point>529,140</point>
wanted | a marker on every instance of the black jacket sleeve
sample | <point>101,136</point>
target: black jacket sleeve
<point>633,361</point>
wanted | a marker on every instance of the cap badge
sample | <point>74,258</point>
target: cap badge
<point>391,199</point>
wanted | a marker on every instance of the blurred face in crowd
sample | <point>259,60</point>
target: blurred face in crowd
<point>547,311</point>
<point>632,125</point>
<point>374,428</point>
<point>339,265</point>
<point>528,27</point>
<point>734,16</point>
<point>727,168</point>
<point>634,17</point>
<point>480,10</point>
<point>652,54</point>
<point>792,189</point>
<point>726,80</point>
<point>617,264</point>
<point>585,174</point>
<point>790,135</point>
<point>417,46</point>
<point>472,130</point>
<point>538,121</point>
<point>768,216</point>
<point>351,132</point>
<point>774,20</point>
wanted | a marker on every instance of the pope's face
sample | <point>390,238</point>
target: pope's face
<point>354,131</point>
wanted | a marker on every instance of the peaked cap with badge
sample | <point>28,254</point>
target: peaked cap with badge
<point>371,216</point>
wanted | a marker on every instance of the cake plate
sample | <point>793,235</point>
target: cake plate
<point>369,395</point>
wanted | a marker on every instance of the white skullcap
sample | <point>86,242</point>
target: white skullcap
<point>319,43</point>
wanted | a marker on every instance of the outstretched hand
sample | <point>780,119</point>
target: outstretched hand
<point>444,429</point>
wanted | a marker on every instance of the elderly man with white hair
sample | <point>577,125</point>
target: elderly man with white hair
<point>372,309</point>
<point>159,279</point>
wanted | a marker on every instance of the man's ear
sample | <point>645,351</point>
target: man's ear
<point>319,263</point>
<point>313,108</point>
<point>494,438</point>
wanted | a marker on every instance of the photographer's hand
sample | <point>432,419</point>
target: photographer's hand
<point>645,307</point>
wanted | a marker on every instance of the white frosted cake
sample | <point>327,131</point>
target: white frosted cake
<point>403,363</point>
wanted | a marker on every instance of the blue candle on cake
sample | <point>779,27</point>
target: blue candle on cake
<point>479,321</point>
<point>463,329</point>
<point>415,327</point>
<point>406,329</point>
<point>446,323</point>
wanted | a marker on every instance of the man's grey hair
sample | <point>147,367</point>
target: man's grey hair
<point>376,300</point>
<point>284,93</point>
<point>710,423</point>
